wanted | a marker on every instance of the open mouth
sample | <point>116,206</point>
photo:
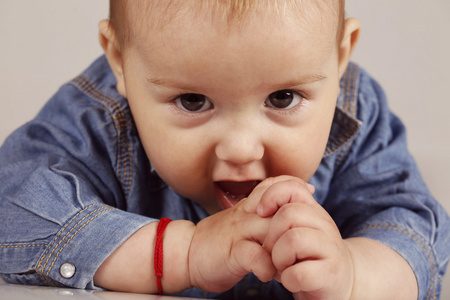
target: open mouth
<point>229,193</point>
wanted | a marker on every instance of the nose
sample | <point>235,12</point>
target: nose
<point>240,146</point>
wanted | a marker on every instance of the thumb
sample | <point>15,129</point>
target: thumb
<point>252,257</point>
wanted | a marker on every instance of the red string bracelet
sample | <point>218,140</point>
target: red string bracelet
<point>158,261</point>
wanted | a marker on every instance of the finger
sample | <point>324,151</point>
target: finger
<point>255,228</point>
<point>224,228</point>
<point>252,257</point>
<point>298,215</point>
<point>283,192</point>
<point>254,198</point>
<point>308,276</point>
<point>298,245</point>
<point>240,224</point>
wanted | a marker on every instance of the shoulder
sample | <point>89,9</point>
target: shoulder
<point>98,84</point>
<point>87,122</point>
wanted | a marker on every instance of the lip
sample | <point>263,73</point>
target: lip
<point>229,193</point>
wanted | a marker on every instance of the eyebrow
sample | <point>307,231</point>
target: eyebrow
<point>168,83</point>
<point>308,79</point>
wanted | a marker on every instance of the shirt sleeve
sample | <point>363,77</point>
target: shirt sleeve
<point>378,193</point>
<point>62,207</point>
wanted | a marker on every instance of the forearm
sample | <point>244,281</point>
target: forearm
<point>380,272</point>
<point>131,268</point>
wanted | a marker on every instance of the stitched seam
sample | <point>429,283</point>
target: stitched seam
<point>349,106</point>
<point>115,110</point>
<point>75,233</point>
<point>346,86</point>
<point>349,89</point>
<point>24,246</point>
<point>124,150</point>
<point>126,169</point>
<point>84,84</point>
<point>61,231</point>
<point>54,240</point>
<point>73,228</point>
<point>353,103</point>
<point>56,246</point>
<point>346,135</point>
<point>346,104</point>
<point>419,241</point>
<point>346,148</point>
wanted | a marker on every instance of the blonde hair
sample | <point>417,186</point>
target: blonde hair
<point>233,11</point>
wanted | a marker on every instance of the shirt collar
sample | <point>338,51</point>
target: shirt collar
<point>345,125</point>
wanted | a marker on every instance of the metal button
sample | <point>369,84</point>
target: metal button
<point>67,270</point>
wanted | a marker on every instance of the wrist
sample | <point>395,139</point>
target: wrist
<point>177,240</point>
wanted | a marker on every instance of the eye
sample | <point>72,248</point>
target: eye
<point>283,99</point>
<point>193,102</point>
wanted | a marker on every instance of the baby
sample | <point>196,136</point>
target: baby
<point>279,162</point>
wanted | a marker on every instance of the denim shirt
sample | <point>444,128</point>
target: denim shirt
<point>75,183</point>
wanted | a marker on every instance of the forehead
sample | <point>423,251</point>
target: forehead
<point>139,18</point>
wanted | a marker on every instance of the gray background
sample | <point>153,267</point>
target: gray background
<point>405,45</point>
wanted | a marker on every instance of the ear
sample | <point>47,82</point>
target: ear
<point>110,45</point>
<point>352,29</point>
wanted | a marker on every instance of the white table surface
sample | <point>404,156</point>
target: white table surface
<point>25,292</point>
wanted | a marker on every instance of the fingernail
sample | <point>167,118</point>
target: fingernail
<point>311,188</point>
<point>260,209</point>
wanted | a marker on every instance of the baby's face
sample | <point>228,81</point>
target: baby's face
<point>221,108</point>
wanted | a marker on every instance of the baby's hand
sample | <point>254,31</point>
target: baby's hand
<point>311,258</point>
<point>228,245</point>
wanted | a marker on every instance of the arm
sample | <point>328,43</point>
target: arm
<point>378,194</point>
<point>380,272</point>
<point>55,209</point>
<point>53,213</point>
<point>62,176</point>
<point>130,267</point>
<point>213,255</point>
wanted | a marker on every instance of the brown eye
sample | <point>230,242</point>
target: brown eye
<point>283,99</point>
<point>193,102</point>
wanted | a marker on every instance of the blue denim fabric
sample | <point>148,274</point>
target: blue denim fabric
<point>75,183</point>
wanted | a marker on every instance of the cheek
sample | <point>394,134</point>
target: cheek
<point>301,159</point>
<point>181,160</point>
<point>172,152</point>
<point>300,152</point>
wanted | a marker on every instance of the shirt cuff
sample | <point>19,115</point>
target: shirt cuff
<point>84,243</point>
